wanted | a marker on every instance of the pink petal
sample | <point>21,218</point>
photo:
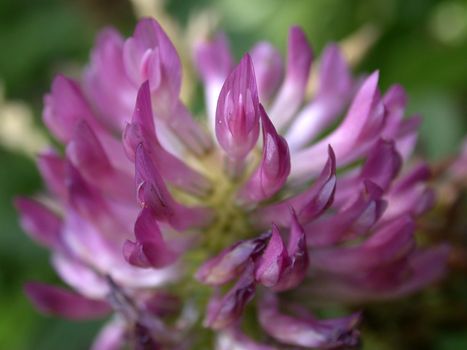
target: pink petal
<point>327,334</point>
<point>271,174</point>
<point>231,262</point>
<point>307,205</point>
<point>153,193</point>
<point>52,169</point>
<point>389,243</point>
<point>57,301</point>
<point>149,250</point>
<point>225,311</point>
<point>111,336</point>
<point>43,225</point>
<point>268,68</point>
<point>142,130</point>
<point>214,62</point>
<point>334,90</point>
<point>359,129</point>
<point>273,261</point>
<point>292,91</point>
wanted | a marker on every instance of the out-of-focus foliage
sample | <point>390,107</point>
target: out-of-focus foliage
<point>421,44</point>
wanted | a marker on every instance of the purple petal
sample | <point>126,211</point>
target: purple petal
<point>86,153</point>
<point>395,101</point>
<point>297,249</point>
<point>52,169</point>
<point>213,58</point>
<point>188,131</point>
<point>307,205</point>
<point>106,82</point>
<point>231,262</point>
<point>225,311</point>
<point>89,202</point>
<point>149,250</point>
<point>237,114</point>
<point>358,131</point>
<point>80,276</point>
<point>64,107</point>
<point>292,91</point>
<point>150,55</point>
<point>40,222</point>
<point>273,262</point>
<point>410,194</point>
<point>153,193</point>
<point>142,130</point>
<point>351,221</point>
<point>381,167</point>
<point>271,174</point>
<point>334,90</point>
<point>57,301</point>
<point>427,266</point>
<point>390,281</point>
<point>327,334</point>
<point>389,243</point>
<point>334,74</point>
<point>268,68</point>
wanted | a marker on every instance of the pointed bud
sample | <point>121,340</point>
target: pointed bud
<point>274,168</point>
<point>237,114</point>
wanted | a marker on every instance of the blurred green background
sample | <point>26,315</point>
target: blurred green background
<point>421,44</point>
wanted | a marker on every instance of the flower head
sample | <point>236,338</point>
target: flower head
<point>156,223</point>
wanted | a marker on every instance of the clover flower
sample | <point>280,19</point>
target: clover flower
<point>232,230</point>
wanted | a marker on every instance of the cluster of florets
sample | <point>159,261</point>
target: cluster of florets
<point>151,220</point>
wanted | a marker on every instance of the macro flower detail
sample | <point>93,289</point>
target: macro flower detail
<point>186,230</point>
